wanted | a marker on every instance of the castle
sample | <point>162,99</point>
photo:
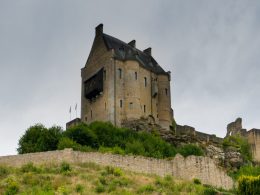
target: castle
<point>122,83</point>
<point>127,87</point>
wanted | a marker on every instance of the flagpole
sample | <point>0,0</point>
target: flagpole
<point>70,113</point>
<point>76,109</point>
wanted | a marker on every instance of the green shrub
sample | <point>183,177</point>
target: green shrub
<point>247,170</point>
<point>79,188</point>
<point>112,171</point>
<point>190,149</point>
<point>196,181</point>
<point>65,167</point>
<point>249,185</point>
<point>4,171</point>
<point>38,138</point>
<point>147,188</point>
<point>241,144</point>
<point>82,135</point>
<point>209,191</point>
<point>100,188</point>
<point>29,167</point>
<point>11,186</point>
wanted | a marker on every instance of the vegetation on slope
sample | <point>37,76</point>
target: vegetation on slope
<point>89,178</point>
<point>104,137</point>
<point>239,143</point>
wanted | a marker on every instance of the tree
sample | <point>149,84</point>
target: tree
<point>38,138</point>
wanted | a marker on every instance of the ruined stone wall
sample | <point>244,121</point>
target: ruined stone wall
<point>253,137</point>
<point>188,168</point>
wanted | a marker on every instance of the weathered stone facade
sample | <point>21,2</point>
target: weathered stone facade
<point>253,136</point>
<point>203,168</point>
<point>132,86</point>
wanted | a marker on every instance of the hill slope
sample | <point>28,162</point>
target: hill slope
<point>89,178</point>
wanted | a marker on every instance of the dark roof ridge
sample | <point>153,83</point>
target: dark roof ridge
<point>129,53</point>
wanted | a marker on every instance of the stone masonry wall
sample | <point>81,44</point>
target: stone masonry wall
<point>188,168</point>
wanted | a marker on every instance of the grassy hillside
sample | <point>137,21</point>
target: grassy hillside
<point>90,178</point>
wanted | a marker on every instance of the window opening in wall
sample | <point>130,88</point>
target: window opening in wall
<point>105,75</point>
<point>166,91</point>
<point>145,81</point>
<point>86,118</point>
<point>144,108</point>
<point>131,105</point>
<point>120,73</point>
<point>105,105</point>
<point>91,114</point>
<point>135,75</point>
<point>121,103</point>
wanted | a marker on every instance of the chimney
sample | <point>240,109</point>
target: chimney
<point>132,43</point>
<point>148,51</point>
<point>99,29</point>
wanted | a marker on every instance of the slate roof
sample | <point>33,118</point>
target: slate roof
<point>124,51</point>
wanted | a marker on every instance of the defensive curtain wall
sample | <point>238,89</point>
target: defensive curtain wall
<point>203,168</point>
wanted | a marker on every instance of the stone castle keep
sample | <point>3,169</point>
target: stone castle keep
<point>122,83</point>
<point>127,87</point>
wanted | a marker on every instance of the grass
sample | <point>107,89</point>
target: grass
<point>90,178</point>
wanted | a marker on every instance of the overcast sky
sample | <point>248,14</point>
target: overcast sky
<point>211,47</point>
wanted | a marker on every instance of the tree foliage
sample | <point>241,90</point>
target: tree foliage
<point>102,136</point>
<point>38,138</point>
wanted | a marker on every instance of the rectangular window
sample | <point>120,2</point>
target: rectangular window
<point>120,73</point>
<point>145,81</point>
<point>131,105</point>
<point>166,91</point>
<point>144,108</point>
<point>105,75</point>
<point>135,75</point>
<point>121,103</point>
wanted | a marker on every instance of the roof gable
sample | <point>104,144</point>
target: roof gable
<point>124,51</point>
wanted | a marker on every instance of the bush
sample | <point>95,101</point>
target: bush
<point>247,170</point>
<point>38,138</point>
<point>11,186</point>
<point>82,135</point>
<point>79,188</point>
<point>29,167</point>
<point>113,171</point>
<point>190,149</point>
<point>3,171</point>
<point>248,185</point>
<point>65,167</point>
<point>241,144</point>
<point>196,181</point>
<point>210,191</point>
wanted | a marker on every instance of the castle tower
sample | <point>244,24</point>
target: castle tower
<point>121,83</point>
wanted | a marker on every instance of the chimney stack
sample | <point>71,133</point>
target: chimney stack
<point>99,29</point>
<point>148,51</point>
<point>132,43</point>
